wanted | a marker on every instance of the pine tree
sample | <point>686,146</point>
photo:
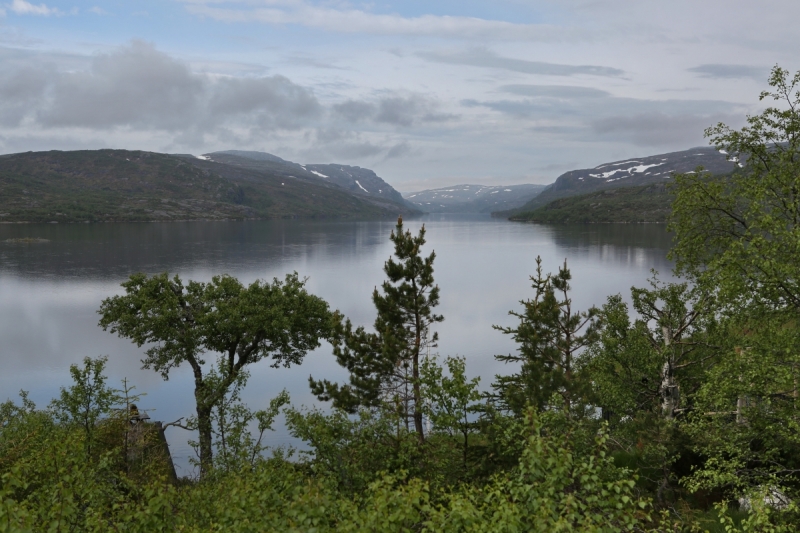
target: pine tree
<point>384,365</point>
<point>551,337</point>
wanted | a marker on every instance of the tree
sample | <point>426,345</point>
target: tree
<point>741,233</point>
<point>551,337</point>
<point>646,370</point>
<point>244,325</point>
<point>738,236</point>
<point>384,366</point>
<point>653,363</point>
<point>87,400</point>
<point>450,399</point>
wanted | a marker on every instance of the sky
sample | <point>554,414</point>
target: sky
<point>427,94</point>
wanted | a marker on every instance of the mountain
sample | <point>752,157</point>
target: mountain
<point>629,173</point>
<point>631,205</point>
<point>356,180</point>
<point>473,198</point>
<point>123,185</point>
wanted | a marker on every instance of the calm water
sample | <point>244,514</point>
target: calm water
<point>50,292</point>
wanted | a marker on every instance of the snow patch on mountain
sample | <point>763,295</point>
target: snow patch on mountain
<point>637,169</point>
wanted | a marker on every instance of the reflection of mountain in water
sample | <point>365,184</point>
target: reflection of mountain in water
<point>640,245</point>
<point>114,251</point>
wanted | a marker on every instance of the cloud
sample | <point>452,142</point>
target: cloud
<point>21,7</point>
<point>97,10</point>
<point>272,102</point>
<point>726,71</point>
<point>555,91</point>
<point>138,88</point>
<point>481,57</point>
<point>350,20</point>
<point>398,150</point>
<point>658,129</point>
<point>594,115</point>
<point>19,92</point>
<point>396,110</point>
<point>312,62</point>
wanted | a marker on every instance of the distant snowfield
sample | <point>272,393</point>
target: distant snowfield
<point>320,174</point>
<point>636,169</point>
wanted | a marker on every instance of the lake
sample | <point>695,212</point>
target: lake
<point>50,291</point>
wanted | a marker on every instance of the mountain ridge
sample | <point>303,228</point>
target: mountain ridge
<point>470,198</point>
<point>132,185</point>
<point>631,172</point>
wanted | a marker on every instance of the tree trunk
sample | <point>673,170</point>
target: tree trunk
<point>204,429</point>
<point>670,393</point>
<point>418,401</point>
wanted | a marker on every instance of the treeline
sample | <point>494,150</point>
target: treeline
<point>677,413</point>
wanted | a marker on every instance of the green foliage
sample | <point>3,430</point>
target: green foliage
<point>644,204</point>
<point>384,366</point>
<point>551,338</point>
<point>87,400</point>
<point>747,412</point>
<point>235,446</point>
<point>740,233</point>
<point>279,321</point>
<point>656,362</point>
<point>352,451</point>
<point>450,399</point>
<point>738,238</point>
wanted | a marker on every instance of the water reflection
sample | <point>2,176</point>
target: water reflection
<point>49,292</point>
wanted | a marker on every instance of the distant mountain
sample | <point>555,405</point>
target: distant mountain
<point>358,181</point>
<point>123,185</point>
<point>473,198</point>
<point>629,173</point>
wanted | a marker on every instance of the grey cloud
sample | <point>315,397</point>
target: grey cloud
<point>354,110</point>
<point>402,111</point>
<point>398,150</point>
<point>136,87</point>
<point>348,145</point>
<point>271,102</point>
<point>593,114</point>
<point>731,71</point>
<point>139,88</point>
<point>658,129</point>
<point>481,57</point>
<point>398,110</point>
<point>554,91</point>
<point>19,91</point>
<point>312,62</point>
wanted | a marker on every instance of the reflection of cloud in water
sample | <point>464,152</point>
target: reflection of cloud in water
<point>49,294</point>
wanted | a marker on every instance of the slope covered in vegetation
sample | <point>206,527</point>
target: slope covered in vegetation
<point>122,185</point>
<point>646,204</point>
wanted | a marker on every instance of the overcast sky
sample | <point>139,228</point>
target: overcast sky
<point>425,93</point>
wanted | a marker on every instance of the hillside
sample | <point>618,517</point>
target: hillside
<point>473,198</point>
<point>358,181</point>
<point>122,185</point>
<point>643,204</point>
<point>628,173</point>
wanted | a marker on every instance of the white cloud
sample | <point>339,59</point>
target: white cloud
<point>21,7</point>
<point>350,20</point>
